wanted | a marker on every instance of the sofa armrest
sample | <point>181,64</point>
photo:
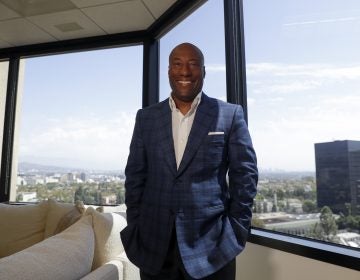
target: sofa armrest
<point>131,272</point>
<point>112,270</point>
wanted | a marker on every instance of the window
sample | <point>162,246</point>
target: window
<point>203,26</point>
<point>303,77</point>
<point>74,124</point>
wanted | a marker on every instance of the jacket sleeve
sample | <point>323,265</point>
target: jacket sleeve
<point>135,172</point>
<point>243,176</point>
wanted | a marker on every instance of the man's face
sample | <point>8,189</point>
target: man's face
<point>186,72</point>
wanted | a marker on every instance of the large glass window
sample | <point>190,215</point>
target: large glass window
<point>303,76</point>
<point>74,124</point>
<point>205,29</point>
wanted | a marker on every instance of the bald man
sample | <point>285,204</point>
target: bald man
<point>185,219</point>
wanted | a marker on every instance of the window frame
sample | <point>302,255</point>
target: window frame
<point>236,93</point>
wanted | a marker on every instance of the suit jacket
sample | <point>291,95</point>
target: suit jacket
<point>211,213</point>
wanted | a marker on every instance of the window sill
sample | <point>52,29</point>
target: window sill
<point>318,250</point>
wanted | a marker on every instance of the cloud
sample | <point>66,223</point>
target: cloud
<point>215,68</point>
<point>284,79</point>
<point>287,142</point>
<point>315,71</point>
<point>298,105</point>
<point>293,86</point>
<point>331,20</point>
<point>93,143</point>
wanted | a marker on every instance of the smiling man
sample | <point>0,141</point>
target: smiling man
<point>185,219</point>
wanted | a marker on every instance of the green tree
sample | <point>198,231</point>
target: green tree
<point>257,223</point>
<point>309,206</point>
<point>280,194</point>
<point>327,221</point>
<point>317,232</point>
<point>120,197</point>
<point>326,229</point>
<point>274,208</point>
<point>265,207</point>
<point>79,194</point>
<point>19,197</point>
<point>348,222</point>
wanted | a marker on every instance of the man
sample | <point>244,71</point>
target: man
<point>184,220</point>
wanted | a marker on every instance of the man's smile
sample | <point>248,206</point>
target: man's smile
<point>184,82</point>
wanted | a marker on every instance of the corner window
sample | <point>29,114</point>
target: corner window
<point>303,76</point>
<point>74,124</point>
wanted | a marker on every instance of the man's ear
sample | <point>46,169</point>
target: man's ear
<point>204,72</point>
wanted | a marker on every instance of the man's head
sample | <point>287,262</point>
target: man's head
<point>186,72</point>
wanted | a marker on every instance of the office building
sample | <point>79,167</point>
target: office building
<point>338,175</point>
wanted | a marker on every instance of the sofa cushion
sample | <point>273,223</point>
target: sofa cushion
<point>61,215</point>
<point>107,227</point>
<point>21,226</point>
<point>67,255</point>
<point>109,271</point>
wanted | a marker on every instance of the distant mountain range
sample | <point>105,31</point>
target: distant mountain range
<point>26,167</point>
<point>29,167</point>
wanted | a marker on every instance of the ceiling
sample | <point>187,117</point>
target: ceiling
<point>27,22</point>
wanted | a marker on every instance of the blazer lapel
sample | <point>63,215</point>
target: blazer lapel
<point>167,143</point>
<point>204,117</point>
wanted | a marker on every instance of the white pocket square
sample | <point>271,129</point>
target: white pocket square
<point>216,133</point>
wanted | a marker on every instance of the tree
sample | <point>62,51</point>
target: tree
<point>341,222</point>
<point>19,197</point>
<point>265,207</point>
<point>327,221</point>
<point>280,194</point>
<point>309,206</point>
<point>120,197</point>
<point>348,222</point>
<point>79,194</point>
<point>287,207</point>
<point>326,229</point>
<point>274,208</point>
<point>257,223</point>
<point>98,197</point>
<point>317,232</point>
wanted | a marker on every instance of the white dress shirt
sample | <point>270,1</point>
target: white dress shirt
<point>181,126</point>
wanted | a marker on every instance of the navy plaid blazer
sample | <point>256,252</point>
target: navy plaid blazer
<point>211,214</point>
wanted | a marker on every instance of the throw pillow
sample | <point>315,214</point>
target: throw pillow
<point>21,226</point>
<point>107,227</point>
<point>67,255</point>
<point>61,216</point>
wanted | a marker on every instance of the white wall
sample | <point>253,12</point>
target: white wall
<point>263,263</point>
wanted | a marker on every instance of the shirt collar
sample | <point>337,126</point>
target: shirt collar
<point>194,104</point>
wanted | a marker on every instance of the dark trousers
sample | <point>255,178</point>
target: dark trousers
<point>173,267</point>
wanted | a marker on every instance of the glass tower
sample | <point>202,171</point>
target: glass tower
<point>338,175</point>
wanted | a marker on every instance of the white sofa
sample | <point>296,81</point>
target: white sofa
<point>60,241</point>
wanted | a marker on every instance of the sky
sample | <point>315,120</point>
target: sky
<point>303,76</point>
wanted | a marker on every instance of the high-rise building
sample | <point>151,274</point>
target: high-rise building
<point>83,176</point>
<point>338,175</point>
